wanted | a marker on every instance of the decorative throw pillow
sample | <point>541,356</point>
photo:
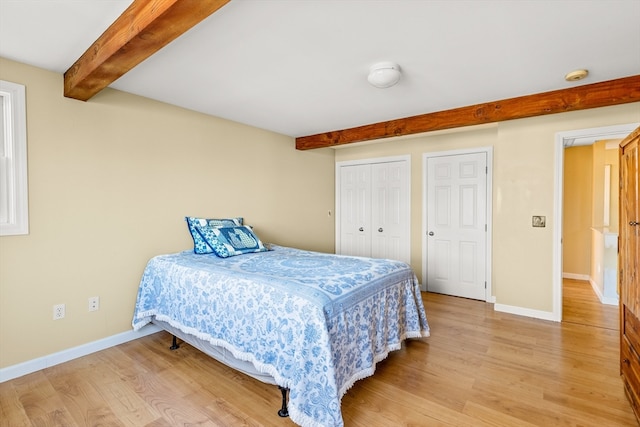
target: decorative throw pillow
<point>233,241</point>
<point>209,242</point>
<point>200,246</point>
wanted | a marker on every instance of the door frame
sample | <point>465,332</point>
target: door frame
<point>563,140</point>
<point>405,158</point>
<point>489,203</point>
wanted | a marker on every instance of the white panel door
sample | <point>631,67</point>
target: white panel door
<point>355,210</point>
<point>374,209</point>
<point>456,225</point>
<point>390,211</point>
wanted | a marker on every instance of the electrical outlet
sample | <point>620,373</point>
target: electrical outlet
<point>94,303</point>
<point>58,311</point>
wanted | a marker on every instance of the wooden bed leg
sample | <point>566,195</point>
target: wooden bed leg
<point>174,344</point>
<point>284,412</point>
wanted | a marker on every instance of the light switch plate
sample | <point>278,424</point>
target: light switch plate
<point>538,221</point>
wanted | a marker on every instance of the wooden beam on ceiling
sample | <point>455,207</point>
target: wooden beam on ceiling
<point>144,27</point>
<point>612,92</point>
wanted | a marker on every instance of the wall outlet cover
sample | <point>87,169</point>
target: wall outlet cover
<point>58,311</point>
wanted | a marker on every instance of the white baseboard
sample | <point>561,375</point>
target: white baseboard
<point>610,301</point>
<point>544,315</point>
<point>601,297</point>
<point>15,371</point>
<point>587,278</point>
<point>576,276</point>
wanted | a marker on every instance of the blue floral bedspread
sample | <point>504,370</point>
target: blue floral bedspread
<point>315,322</point>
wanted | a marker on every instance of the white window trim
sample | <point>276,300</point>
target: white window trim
<point>16,197</point>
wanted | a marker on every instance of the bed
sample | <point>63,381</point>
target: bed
<point>309,322</point>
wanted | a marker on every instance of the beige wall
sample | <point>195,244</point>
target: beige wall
<point>110,181</point>
<point>523,186</point>
<point>597,187</point>
<point>577,215</point>
<point>611,158</point>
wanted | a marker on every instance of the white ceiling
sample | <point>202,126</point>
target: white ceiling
<point>299,67</point>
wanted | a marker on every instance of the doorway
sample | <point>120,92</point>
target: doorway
<point>562,140</point>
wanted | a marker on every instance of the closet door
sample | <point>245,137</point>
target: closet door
<point>374,209</point>
<point>389,216</point>
<point>457,224</point>
<point>355,210</point>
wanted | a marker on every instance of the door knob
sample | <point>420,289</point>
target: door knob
<point>360,229</point>
<point>380,230</point>
<point>633,223</point>
<point>431,233</point>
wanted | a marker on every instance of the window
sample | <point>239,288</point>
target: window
<point>14,214</point>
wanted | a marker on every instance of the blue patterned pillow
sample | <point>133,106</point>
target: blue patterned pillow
<point>231,241</point>
<point>200,246</point>
<point>210,243</point>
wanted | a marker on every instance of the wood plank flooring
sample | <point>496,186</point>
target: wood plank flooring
<point>478,368</point>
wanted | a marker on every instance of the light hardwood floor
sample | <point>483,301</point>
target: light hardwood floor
<point>478,368</point>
